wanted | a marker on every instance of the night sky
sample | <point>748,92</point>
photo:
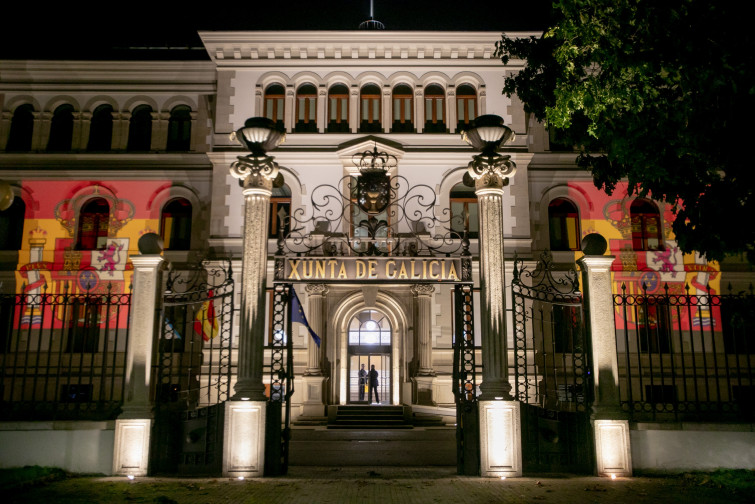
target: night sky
<point>113,29</point>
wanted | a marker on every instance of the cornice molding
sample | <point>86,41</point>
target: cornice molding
<point>231,48</point>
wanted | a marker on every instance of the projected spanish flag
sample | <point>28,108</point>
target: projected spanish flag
<point>205,322</point>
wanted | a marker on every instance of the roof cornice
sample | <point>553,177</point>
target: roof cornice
<point>107,75</point>
<point>314,48</point>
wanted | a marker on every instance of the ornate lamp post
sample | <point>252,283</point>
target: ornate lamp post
<point>499,414</point>
<point>491,170</point>
<point>256,173</point>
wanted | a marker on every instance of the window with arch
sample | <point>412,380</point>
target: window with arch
<point>280,210</point>
<point>466,105</point>
<point>175,224</point>
<point>94,221</point>
<point>646,225</point>
<point>464,210</point>
<point>563,225</point>
<point>370,327</point>
<point>140,129</point>
<point>338,109</point>
<point>274,99</point>
<point>306,109</point>
<point>21,129</point>
<point>403,103</point>
<point>179,129</point>
<point>12,225</point>
<point>101,129</point>
<point>435,119</point>
<point>61,129</point>
<point>370,109</point>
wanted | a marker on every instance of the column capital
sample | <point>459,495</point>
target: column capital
<point>144,261</point>
<point>423,289</point>
<point>259,171</point>
<point>316,289</point>
<point>595,263</point>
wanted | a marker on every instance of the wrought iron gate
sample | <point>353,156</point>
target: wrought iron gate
<point>192,372</point>
<point>465,384</point>
<point>552,372</point>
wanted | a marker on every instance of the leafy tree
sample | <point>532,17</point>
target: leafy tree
<point>658,93</point>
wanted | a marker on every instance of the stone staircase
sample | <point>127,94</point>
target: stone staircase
<point>369,417</point>
<point>345,447</point>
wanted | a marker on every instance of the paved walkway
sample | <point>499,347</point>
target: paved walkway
<point>308,485</point>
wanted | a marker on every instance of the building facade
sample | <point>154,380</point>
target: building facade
<point>99,154</point>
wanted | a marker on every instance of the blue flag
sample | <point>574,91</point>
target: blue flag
<point>297,315</point>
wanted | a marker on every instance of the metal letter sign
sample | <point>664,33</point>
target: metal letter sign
<point>374,269</point>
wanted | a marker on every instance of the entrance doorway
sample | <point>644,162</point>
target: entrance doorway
<point>369,345</point>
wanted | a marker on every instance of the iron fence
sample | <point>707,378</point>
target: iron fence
<point>62,354</point>
<point>685,356</point>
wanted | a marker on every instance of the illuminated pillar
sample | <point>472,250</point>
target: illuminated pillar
<point>133,426</point>
<point>257,191</point>
<point>611,428</point>
<point>500,425</point>
<point>313,378</point>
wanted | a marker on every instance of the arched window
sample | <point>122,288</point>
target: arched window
<point>403,103</point>
<point>175,225</point>
<point>21,128</point>
<point>563,223</point>
<point>274,95</point>
<point>94,219</point>
<point>280,209</point>
<point>306,109</point>
<point>464,214</point>
<point>466,105</point>
<point>101,129</point>
<point>369,346</point>
<point>140,129</point>
<point>646,225</point>
<point>61,129</point>
<point>338,109</point>
<point>12,225</point>
<point>370,109</point>
<point>179,129</point>
<point>435,119</point>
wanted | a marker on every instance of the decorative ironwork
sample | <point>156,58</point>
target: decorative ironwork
<point>465,384</point>
<point>334,224</point>
<point>62,354</point>
<point>278,413</point>
<point>685,356</point>
<point>551,366</point>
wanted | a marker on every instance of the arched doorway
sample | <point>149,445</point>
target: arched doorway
<point>369,344</point>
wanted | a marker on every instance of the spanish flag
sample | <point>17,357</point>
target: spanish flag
<point>205,323</point>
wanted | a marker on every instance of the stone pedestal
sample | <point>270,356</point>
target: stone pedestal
<point>500,439</point>
<point>612,447</point>
<point>244,440</point>
<point>131,451</point>
<point>424,386</point>
<point>312,402</point>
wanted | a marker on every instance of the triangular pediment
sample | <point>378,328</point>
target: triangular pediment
<point>352,149</point>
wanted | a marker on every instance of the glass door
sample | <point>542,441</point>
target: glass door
<point>369,347</point>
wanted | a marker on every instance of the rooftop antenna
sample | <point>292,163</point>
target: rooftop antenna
<point>372,23</point>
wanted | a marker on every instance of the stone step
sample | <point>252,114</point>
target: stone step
<point>372,447</point>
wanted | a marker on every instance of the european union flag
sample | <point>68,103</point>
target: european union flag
<point>297,315</point>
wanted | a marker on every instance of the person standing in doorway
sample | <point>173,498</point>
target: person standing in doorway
<point>362,382</point>
<point>374,384</point>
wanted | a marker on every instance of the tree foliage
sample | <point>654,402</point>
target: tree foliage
<point>657,93</point>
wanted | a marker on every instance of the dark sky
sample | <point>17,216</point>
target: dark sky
<point>73,31</point>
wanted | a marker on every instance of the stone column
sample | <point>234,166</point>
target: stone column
<point>245,413</point>
<point>612,444</point>
<point>316,295</point>
<point>425,379</point>
<point>354,112</point>
<point>41,131</point>
<point>451,110</point>
<point>423,298</point>
<point>121,123</point>
<point>313,378</point>
<point>257,191</point>
<point>322,109</point>
<point>289,110</point>
<point>6,117</point>
<point>159,130</point>
<point>133,426</point>
<point>85,128</point>
<point>419,107</point>
<point>495,380</point>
